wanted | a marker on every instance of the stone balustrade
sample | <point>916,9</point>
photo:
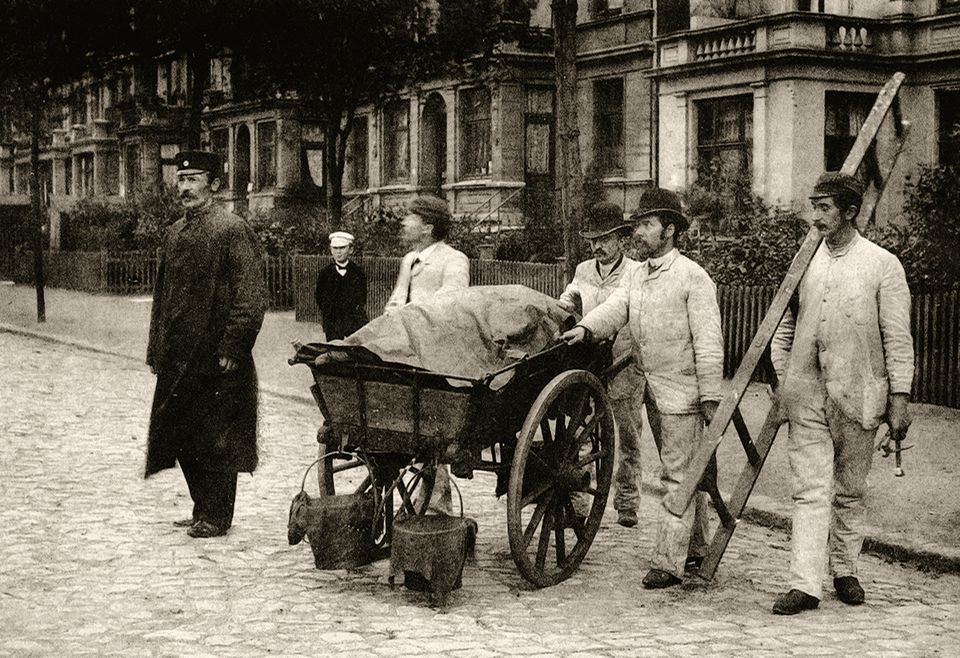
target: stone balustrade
<point>849,37</point>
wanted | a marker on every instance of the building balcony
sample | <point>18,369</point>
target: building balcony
<point>60,137</point>
<point>103,129</point>
<point>154,116</point>
<point>826,35</point>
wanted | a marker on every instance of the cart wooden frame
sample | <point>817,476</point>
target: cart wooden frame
<point>547,433</point>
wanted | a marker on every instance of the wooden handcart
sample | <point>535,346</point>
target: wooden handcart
<point>547,433</point>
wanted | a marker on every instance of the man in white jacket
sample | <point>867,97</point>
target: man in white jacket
<point>845,363</point>
<point>592,283</point>
<point>431,267</point>
<point>670,306</point>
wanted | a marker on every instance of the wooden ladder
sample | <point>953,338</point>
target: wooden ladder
<point>701,471</point>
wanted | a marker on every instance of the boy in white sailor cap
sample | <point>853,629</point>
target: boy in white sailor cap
<point>341,291</point>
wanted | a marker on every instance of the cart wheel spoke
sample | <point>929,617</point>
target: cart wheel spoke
<point>363,486</point>
<point>587,430</point>
<point>545,431</point>
<point>547,467</point>
<point>559,429</point>
<point>578,527</point>
<point>544,545</point>
<point>406,501</point>
<point>535,520</point>
<point>575,457</point>
<point>559,528</point>
<point>579,410</point>
<point>535,494</point>
<point>591,458</point>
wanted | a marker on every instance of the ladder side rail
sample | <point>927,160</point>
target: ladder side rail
<point>677,501</point>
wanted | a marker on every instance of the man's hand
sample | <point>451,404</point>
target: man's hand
<point>708,408</point>
<point>227,364</point>
<point>574,336</point>
<point>898,415</point>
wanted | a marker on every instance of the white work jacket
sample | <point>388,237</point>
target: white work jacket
<point>587,291</point>
<point>674,323</point>
<point>852,333</point>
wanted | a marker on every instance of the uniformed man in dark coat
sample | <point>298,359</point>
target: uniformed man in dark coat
<point>208,305</point>
<point>341,290</point>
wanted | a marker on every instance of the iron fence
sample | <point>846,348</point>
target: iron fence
<point>935,315</point>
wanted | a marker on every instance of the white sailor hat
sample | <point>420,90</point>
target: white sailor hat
<point>340,239</point>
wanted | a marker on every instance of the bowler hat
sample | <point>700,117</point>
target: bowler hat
<point>832,183</point>
<point>602,219</point>
<point>665,204</point>
<point>189,161</point>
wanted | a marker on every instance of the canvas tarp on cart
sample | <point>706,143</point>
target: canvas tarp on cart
<point>468,333</point>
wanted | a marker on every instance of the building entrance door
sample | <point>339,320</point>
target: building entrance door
<point>433,145</point>
<point>539,159</point>
<point>241,169</point>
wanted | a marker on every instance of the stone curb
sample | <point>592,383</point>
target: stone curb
<point>761,512</point>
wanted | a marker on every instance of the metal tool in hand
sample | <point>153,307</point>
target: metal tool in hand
<point>890,444</point>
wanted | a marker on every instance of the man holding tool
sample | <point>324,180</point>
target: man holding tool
<point>845,363</point>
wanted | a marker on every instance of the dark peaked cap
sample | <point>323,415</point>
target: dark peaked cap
<point>832,183</point>
<point>200,161</point>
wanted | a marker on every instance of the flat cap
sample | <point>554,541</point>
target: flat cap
<point>831,183</point>
<point>429,209</point>
<point>340,239</point>
<point>191,161</point>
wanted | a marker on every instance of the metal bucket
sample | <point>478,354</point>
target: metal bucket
<point>430,551</point>
<point>339,528</point>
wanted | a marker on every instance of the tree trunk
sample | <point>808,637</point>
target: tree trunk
<point>198,64</point>
<point>36,205</point>
<point>568,132</point>
<point>333,152</point>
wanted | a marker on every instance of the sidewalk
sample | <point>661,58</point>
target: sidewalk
<point>916,517</point>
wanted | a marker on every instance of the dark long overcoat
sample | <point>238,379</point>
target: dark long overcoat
<point>342,300</point>
<point>208,302</point>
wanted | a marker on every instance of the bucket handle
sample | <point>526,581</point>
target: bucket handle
<point>403,514</point>
<point>315,462</point>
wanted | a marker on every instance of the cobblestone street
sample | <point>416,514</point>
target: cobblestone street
<point>90,563</point>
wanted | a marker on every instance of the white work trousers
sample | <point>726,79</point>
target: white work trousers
<point>678,537</point>
<point>830,456</point>
<point>626,412</point>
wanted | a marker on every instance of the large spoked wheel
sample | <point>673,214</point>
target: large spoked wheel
<point>560,477</point>
<point>346,473</point>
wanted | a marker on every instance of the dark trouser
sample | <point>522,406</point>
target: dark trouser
<point>213,494</point>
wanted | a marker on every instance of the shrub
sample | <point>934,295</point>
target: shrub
<point>97,225</point>
<point>741,239</point>
<point>291,229</point>
<point>134,223</point>
<point>154,209</point>
<point>377,233</point>
<point>927,235</point>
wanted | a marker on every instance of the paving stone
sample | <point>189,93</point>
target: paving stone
<point>90,563</point>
